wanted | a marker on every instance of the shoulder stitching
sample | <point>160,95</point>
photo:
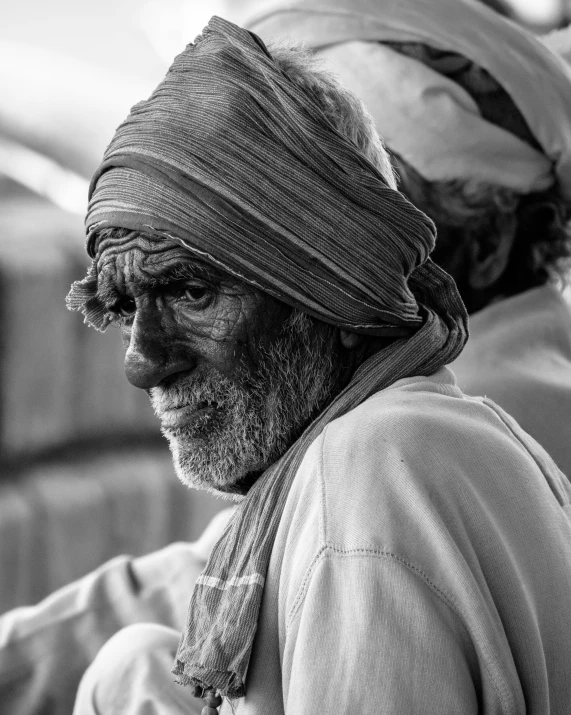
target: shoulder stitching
<point>331,551</point>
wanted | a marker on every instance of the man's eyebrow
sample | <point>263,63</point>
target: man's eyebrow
<point>186,271</point>
<point>108,292</point>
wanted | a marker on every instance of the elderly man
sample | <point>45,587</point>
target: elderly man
<point>477,114</point>
<point>393,538</point>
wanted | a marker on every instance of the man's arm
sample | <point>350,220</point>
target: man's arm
<point>370,635</point>
<point>45,649</point>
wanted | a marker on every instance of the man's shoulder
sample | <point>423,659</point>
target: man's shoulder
<point>423,475</point>
<point>407,452</point>
<point>409,416</point>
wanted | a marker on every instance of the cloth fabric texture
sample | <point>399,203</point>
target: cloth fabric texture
<point>424,116</point>
<point>422,565</point>
<point>519,355</point>
<point>233,160</point>
<point>45,649</point>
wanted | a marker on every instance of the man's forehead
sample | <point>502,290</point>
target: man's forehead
<point>144,261</point>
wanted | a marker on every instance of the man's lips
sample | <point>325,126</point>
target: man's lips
<point>179,417</point>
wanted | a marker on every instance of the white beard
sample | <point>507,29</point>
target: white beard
<point>246,429</point>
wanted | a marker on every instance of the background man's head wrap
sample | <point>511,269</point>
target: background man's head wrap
<point>422,113</point>
<point>559,41</point>
<point>238,164</point>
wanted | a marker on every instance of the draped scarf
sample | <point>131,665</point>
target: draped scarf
<point>236,162</point>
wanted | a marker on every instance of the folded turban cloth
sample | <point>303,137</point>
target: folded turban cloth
<point>423,114</point>
<point>237,163</point>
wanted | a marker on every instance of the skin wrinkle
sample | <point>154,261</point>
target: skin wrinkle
<point>252,371</point>
<point>136,274</point>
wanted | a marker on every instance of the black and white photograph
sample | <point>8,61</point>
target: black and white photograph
<point>285,357</point>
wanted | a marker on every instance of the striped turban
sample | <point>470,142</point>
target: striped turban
<point>237,163</point>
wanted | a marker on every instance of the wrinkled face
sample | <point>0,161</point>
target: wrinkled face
<point>233,374</point>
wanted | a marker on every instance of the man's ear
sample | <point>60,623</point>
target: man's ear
<point>350,340</point>
<point>489,256</point>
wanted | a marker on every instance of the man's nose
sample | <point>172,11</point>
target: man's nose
<point>149,357</point>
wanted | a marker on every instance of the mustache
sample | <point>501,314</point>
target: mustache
<point>196,390</point>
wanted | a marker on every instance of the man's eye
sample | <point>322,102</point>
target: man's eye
<point>195,293</point>
<point>125,307</point>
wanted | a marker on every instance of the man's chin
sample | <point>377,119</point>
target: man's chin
<point>185,442</point>
<point>195,470</point>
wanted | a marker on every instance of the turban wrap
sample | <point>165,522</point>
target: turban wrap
<point>228,152</point>
<point>237,163</point>
<point>422,112</point>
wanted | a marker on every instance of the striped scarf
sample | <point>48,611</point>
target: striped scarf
<point>239,164</point>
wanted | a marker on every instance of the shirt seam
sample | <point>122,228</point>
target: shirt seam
<point>328,550</point>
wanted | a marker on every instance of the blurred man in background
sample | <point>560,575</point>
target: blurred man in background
<point>477,115</point>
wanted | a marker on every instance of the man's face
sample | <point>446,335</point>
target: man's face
<point>233,374</point>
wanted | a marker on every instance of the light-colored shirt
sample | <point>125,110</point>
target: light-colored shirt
<point>519,355</point>
<point>422,566</point>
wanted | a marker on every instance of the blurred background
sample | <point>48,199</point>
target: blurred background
<point>84,472</point>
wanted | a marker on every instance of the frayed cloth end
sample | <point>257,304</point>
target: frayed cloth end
<point>82,298</point>
<point>228,684</point>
